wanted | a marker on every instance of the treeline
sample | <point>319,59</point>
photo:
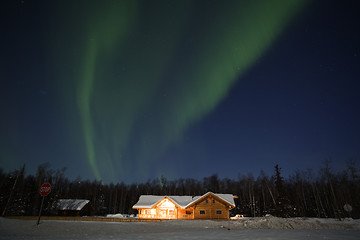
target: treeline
<point>303,194</point>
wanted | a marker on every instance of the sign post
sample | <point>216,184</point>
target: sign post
<point>45,189</point>
<point>348,208</point>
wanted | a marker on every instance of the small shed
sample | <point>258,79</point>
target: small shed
<point>74,207</point>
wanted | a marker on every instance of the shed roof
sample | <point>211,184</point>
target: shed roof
<point>72,204</point>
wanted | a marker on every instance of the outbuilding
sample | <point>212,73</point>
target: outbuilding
<point>74,207</point>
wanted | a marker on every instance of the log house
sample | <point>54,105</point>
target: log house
<point>208,206</point>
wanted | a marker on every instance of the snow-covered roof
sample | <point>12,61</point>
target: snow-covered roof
<point>183,201</point>
<point>72,204</point>
<point>149,201</point>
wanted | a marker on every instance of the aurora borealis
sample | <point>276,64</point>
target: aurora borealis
<point>123,88</point>
<point>202,78</point>
<point>193,82</point>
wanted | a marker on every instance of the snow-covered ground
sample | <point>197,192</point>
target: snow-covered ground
<point>247,228</point>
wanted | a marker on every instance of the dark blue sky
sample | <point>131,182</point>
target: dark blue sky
<point>296,105</point>
<point>299,104</point>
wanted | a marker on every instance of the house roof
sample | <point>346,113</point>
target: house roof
<point>228,198</point>
<point>149,201</point>
<point>183,201</point>
<point>72,204</point>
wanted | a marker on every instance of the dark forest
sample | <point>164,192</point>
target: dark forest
<point>322,193</point>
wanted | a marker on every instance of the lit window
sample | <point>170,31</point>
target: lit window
<point>218,212</point>
<point>153,211</point>
<point>166,204</point>
<point>202,211</point>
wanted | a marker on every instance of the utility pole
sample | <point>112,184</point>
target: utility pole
<point>12,190</point>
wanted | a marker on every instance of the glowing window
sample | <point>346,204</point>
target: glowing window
<point>153,211</point>
<point>166,204</point>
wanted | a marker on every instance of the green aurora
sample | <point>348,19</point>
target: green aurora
<point>144,72</point>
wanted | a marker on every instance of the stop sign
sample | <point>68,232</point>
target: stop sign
<point>45,189</point>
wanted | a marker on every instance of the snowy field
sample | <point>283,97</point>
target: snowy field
<point>247,228</point>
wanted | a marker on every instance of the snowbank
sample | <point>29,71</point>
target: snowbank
<point>119,215</point>
<point>270,222</point>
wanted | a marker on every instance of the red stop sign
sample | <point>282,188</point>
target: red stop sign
<point>45,189</point>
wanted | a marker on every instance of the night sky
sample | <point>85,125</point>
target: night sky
<point>133,90</point>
